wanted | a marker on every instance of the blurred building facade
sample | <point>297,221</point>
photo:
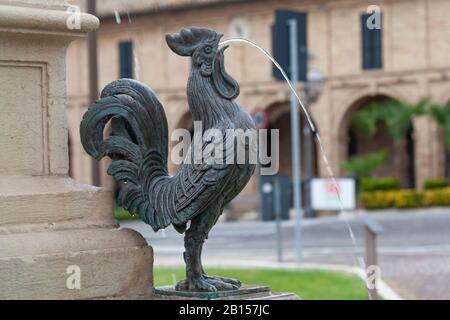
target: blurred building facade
<point>412,63</point>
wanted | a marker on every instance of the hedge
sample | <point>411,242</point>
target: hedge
<point>435,183</point>
<point>437,197</point>
<point>405,198</point>
<point>378,184</point>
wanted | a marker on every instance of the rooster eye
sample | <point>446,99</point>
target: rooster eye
<point>208,49</point>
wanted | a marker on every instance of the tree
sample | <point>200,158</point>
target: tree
<point>364,166</point>
<point>441,114</point>
<point>396,116</point>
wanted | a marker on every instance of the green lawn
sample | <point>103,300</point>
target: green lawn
<point>123,215</point>
<point>309,285</point>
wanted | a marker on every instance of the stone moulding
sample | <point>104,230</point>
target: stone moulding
<point>37,20</point>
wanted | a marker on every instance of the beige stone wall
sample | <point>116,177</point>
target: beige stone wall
<point>415,58</point>
<point>108,7</point>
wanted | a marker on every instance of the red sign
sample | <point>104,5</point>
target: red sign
<point>332,187</point>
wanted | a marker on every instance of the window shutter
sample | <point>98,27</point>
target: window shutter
<point>126,59</point>
<point>280,43</point>
<point>366,43</point>
<point>372,45</point>
<point>377,48</point>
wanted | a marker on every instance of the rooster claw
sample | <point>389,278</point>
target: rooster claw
<point>234,282</point>
<point>195,285</point>
<point>208,284</point>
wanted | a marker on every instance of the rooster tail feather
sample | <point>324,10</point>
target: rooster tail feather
<point>137,145</point>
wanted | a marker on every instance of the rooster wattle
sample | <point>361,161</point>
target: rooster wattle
<point>138,147</point>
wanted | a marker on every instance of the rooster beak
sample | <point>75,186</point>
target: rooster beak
<point>221,50</point>
<point>219,54</point>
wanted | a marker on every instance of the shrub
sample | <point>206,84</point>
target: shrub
<point>380,184</point>
<point>437,197</point>
<point>435,183</point>
<point>408,199</point>
<point>377,199</point>
<point>405,198</point>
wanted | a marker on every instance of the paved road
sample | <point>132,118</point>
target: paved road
<point>414,250</point>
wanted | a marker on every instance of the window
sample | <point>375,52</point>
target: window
<point>280,43</point>
<point>372,45</point>
<point>126,59</point>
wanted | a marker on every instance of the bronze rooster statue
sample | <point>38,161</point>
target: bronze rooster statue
<point>138,147</point>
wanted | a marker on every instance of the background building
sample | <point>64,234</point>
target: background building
<point>406,61</point>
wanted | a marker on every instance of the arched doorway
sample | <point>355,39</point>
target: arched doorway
<point>443,148</point>
<point>280,119</point>
<point>400,161</point>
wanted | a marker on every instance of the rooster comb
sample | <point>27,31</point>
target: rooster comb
<point>186,41</point>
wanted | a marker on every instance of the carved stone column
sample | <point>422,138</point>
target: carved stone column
<point>49,224</point>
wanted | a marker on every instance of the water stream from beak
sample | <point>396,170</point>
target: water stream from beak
<point>359,259</point>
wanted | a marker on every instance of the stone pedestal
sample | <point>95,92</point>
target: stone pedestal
<point>49,224</point>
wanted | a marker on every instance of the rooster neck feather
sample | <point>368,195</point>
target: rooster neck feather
<point>205,104</point>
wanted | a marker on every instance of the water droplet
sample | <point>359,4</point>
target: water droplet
<point>129,16</point>
<point>117,15</point>
<point>137,65</point>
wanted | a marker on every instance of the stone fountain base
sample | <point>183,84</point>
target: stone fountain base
<point>246,292</point>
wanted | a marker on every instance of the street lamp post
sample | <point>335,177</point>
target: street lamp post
<point>295,130</point>
<point>313,88</point>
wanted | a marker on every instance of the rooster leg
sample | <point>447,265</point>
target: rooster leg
<point>234,282</point>
<point>196,279</point>
<point>193,242</point>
